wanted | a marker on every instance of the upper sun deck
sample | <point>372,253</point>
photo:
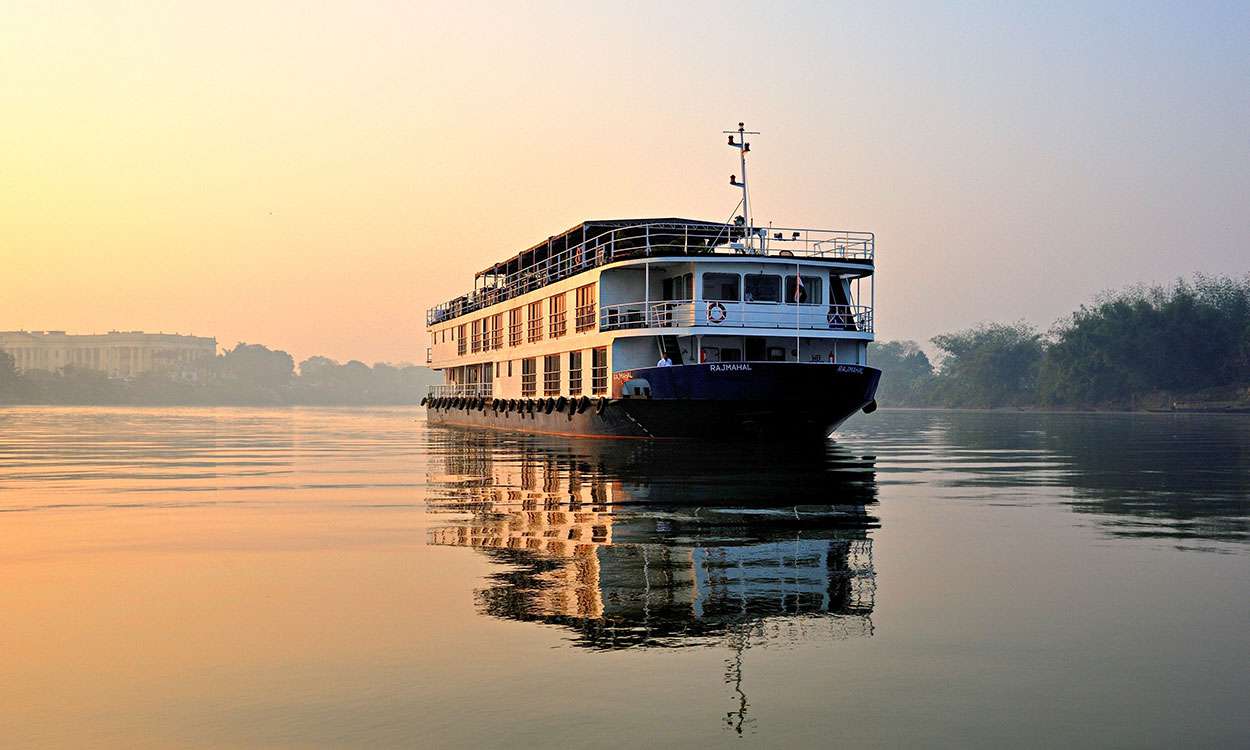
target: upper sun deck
<point>592,244</point>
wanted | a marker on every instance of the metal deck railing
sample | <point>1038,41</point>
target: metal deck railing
<point>462,389</point>
<point>659,240</point>
<point>686,313</point>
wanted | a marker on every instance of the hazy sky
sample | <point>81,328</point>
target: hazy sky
<point>313,176</point>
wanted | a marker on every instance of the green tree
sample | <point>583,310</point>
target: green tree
<point>988,366</point>
<point>1187,337</point>
<point>906,373</point>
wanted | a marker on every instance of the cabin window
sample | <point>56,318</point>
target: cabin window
<point>761,287</point>
<point>514,326</point>
<point>812,292</point>
<point>575,373</point>
<point>535,321</point>
<point>585,307</point>
<point>551,375</point>
<point>529,377</point>
<point>475,343</point>
<point>509,368</point>
<point>679,287</point>
<point>496,331</point>
<point>721,286</point>
<point>461,341</point>
<point>730,355</point>
<point>555,309</point>
<point>599,370</point>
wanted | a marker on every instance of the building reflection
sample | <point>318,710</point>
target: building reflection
<point>663,545</point>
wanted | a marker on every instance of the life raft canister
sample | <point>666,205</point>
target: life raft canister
<point>715,313</point>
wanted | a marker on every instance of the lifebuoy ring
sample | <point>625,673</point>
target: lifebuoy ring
<point>715,313</point>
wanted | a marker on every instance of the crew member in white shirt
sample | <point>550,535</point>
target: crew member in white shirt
<point>664,361</point>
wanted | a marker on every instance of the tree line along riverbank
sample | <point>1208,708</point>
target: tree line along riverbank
<point>248,374</point>
<point>1182,347</point>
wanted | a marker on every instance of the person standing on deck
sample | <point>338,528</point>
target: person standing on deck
<point>664,361</point>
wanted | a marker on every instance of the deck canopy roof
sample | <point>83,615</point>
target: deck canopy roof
<point>589,230</point>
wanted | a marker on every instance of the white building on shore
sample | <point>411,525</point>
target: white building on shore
<point>121,354</point>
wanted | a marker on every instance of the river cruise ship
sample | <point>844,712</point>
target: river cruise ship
<point>664,328</point>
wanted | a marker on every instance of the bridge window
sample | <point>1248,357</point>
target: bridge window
<point>721,286</point>
<point>679,287</point>
<point>761,287</point>
<point>812,292</point>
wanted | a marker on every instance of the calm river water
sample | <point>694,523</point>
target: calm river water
<point>304,578</point>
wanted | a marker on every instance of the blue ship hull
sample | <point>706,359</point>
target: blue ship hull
<point>723,401</point>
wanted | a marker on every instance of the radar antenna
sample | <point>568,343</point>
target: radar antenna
<point>743,147</point>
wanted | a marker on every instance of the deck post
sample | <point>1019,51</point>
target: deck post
<point>646,294</point>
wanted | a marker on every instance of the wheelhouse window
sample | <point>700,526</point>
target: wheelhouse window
<point>551,375</point>
<point>514,326</point>
<point>679,288</point>
<point>599,370</point>
<point>811,293</point>
<point>555,309</point>
<point>723,287</point>
<point>585,302</point>
<point>761,287</point>
<point>535,321</point>
<point>575,373</point>
<point>529,377</point>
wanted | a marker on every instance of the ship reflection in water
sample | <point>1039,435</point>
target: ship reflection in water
<point>664,545</point>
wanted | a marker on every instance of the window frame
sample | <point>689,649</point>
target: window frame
<point>575,372</point>
<point>777,290</point>
<point>551,375</point>
<point>809,282</point>
<point>737,277</point>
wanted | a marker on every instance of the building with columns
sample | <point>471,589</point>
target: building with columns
<point>121,354</point>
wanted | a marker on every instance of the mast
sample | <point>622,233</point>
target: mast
<point>743,147</point>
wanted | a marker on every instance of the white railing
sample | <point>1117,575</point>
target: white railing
<point>659,239</point>
<point>460,389</point>
<point>687,313</point>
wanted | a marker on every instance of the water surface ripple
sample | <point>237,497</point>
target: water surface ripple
<point>356,578</point>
